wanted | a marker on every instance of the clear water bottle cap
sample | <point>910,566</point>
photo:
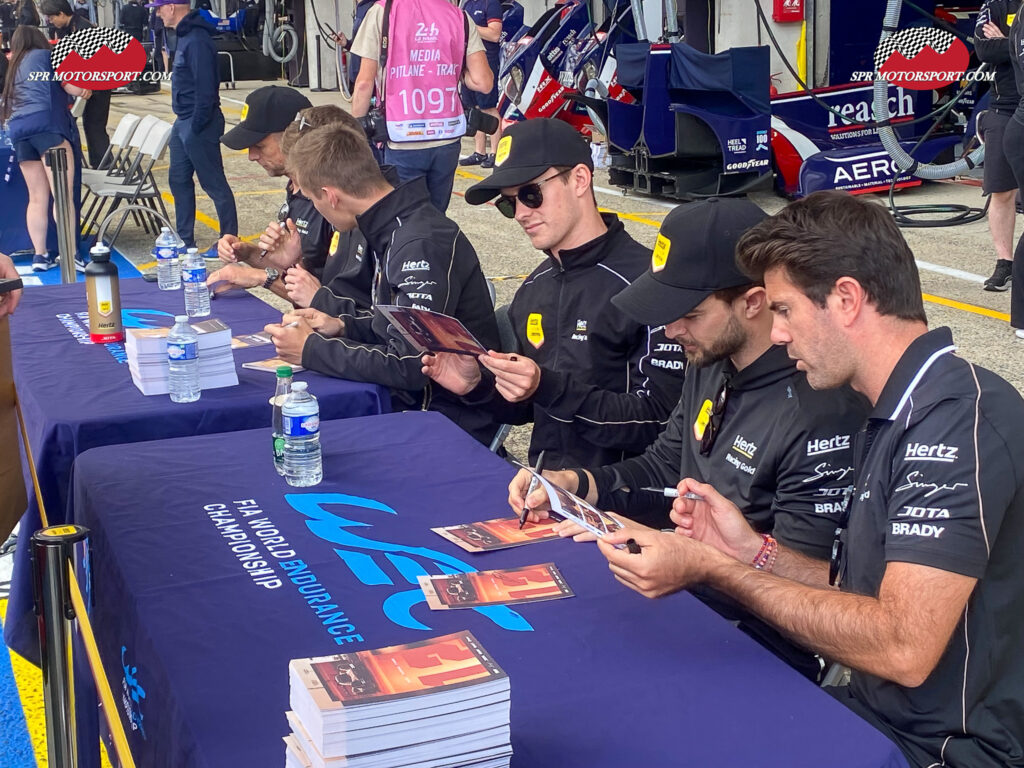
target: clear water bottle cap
<point>191,250</point>
<point>299,386</point>
<point>284,371</point>
<point>181,318</point>
<point>165,229</point>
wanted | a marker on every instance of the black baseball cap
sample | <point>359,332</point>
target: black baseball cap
<point>267,110</point>
<point>694,256</point>
<point>526,150</point>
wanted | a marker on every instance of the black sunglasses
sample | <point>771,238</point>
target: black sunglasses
<point>528,194</point>
<point>707,440</point>
<point>835,562</point>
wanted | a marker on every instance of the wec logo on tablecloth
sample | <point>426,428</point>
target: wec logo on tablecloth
<point>132,694</point>
<point>369,559</point>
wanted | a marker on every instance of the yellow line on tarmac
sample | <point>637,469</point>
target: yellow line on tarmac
<point>200,216</point>
<point>983,311</point>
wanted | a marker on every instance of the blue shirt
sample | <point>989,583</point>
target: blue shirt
<point>483,12</point>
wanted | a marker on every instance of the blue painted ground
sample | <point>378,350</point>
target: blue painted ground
<point>15,747</point>
<point>52,277</point>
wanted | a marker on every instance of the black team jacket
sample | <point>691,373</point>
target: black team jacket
<point>423,260</point>
<point>607,383</point>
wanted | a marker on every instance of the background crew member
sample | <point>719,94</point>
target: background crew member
<point>8,21</point>
<point>597,385</point>
<point>65,21</point>
<point>194,145</point>
<point>994,49</point>
<point>421,257</point>
<point>486,14</point>
<point>747,420</point>
<point>929,563</point>
<point>26,14</point>
<point>413,157</point>
<point>133,18</point>
<point>1013,149</point>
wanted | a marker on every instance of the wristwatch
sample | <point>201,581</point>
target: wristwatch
<point>272,275</point>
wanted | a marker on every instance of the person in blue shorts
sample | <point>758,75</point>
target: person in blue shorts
<point>486,14</point>
<point>38,119</point>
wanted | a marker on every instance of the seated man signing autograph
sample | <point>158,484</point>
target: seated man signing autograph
<point>930,599</point>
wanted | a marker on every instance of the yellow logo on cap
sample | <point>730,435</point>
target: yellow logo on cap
<point>703,419</point>
<point>334,242</point>
<point>60,530</point>
<point>660,256</point>
<point>245,111</point>
<point>504,147</point>
<point>534,329</point>
<point>1009,19</point>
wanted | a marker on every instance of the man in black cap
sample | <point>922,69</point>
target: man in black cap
<point>597,385</point>
<point>299,231</point>
<point>747,419</point>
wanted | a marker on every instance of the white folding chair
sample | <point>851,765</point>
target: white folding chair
<point>111,162</point>
<point>130,162</point>
<point>143,188</point>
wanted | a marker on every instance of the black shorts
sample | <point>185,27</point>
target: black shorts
<point>1013,148</point>
<point>488,100</point>
<point>998,172</point>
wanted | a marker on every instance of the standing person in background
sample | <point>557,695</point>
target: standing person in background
<point>8,21</point>
<point>66,22</point>
<point>38,119</point>
<point>26,14</point>
<point>993,48</point>
<point>1013,148</point>
<point>195,137</point>
<point>133,19</point>
<point>486,14</point>
<point>423,65</point>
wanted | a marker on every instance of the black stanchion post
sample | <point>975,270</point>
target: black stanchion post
<point>53,549</point>
<point>64,213</point>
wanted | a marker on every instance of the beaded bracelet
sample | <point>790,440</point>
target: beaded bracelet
<point>766,556</point>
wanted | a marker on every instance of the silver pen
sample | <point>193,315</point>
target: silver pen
<point>672,493</point>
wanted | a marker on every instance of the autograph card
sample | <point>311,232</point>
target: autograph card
<point>431,331</point>
<point>500,533</point>
<point>528,584</point>
<point>567,506</point>
<point>251,340</point>
<point>270,365</point>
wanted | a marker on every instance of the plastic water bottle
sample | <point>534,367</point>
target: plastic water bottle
<point>168,273</point>
<point>301,420</point>
<point>284,388</point>
<point>193,274</point>
<point>183,362</point>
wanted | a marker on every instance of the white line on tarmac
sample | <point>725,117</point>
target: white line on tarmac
<point>233,101</point>
<point>951,272</point>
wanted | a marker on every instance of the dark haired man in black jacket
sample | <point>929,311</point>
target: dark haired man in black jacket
<point>421,259</point>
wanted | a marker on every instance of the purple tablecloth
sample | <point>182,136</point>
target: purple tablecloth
<point>76,395</point>
<point>605,679</point>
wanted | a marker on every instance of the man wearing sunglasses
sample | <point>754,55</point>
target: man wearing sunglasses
<point>928,609</point>
<point>597,385</point>
<point>747,420</point>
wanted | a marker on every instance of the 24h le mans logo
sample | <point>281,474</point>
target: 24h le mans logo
<point>98,59</point>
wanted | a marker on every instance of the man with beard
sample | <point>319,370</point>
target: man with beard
<point>747,420</point>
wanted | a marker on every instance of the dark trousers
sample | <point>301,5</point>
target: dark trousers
<point>1013,148</point>
<point>94,122</point>
<point>199,155</point>
<point>437,165</point>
